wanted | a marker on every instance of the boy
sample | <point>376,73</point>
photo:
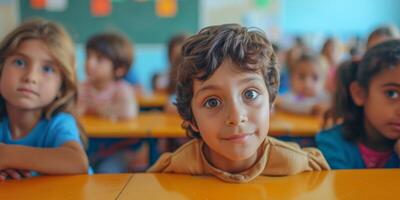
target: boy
<point>226,85</point>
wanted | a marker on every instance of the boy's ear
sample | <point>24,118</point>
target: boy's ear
<point>357,93</point>
<point>120,71</point>
<point>193,126</point>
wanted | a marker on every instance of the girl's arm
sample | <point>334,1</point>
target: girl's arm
<point>70,158</point>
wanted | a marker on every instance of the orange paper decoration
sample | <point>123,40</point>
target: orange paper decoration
<point>166,8</point>
<point>100,8</point>
<point>38,4</point>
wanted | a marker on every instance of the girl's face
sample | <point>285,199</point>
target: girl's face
<point>231,110</point>
<point>30,78</point>
<point>382,103</point>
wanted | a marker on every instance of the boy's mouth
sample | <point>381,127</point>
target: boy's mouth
<point>238,138</point>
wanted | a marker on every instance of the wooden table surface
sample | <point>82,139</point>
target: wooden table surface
<point>341,184</point>
<point>345,184</point>
<point>162,125</point>
<point>94,187</point>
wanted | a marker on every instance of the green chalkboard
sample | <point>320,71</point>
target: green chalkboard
<point>136,19</point>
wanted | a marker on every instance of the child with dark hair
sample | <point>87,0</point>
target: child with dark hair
<point>226,86</point>
<point>104,93</point>
<point>382,34</point>
<point>369,105</point>
<point>307,95</point>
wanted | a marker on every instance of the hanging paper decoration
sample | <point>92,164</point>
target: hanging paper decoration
<point>262,3</point>
<point>57,5</point>
<point>38,4</point>
<point>166,8</point>
<point>100,8</point>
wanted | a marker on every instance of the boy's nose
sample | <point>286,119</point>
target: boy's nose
<point>236,115</point>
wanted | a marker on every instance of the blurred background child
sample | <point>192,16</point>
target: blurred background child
<point>382,34</point>
<point>104,93</point>
<point>307,95</point>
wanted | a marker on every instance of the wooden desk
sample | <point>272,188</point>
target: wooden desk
<point>345,184</point>
<point>162,125</point>
<point>65,187</point>
<point>148,124</point>
<point>152,100</point>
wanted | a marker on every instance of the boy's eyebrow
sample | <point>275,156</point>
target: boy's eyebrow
<point>215,87</point>
<point>391,84</point>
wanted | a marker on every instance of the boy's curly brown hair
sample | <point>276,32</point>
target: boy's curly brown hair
<point>204,52</point>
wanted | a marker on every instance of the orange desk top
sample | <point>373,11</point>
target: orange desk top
<point>153,100</point>
<point>161,125</point>
<point>345,184</point>
<point>65,187</point>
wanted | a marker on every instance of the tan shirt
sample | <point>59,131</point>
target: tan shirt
<point>279,159</point>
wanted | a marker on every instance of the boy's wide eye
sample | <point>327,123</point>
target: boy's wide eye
<point>392,94</point>
<point>251,94</point>
<point>212,103</point>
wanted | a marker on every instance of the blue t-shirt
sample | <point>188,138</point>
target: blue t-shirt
<point>343,154</point>
<point>60,129</point>
<point>52,133</point>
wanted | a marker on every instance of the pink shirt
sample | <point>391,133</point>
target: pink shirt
<point>116,101</point>
<point>372,158</point>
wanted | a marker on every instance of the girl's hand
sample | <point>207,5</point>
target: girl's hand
<point>14,174</point>
<point>397,148</point>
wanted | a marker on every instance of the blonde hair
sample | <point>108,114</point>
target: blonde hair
<point>63,52</point>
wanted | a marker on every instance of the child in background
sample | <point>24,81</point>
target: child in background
<point>104,93</point>
<point>226,86</point>
<point>307,95</point>
<point>332,52</point>
<point>38,92</point>
<point>370,109</point>
<point>382,34</point>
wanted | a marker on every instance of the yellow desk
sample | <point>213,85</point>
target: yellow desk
<point>350,184</point>
<point>148,124</point>
<point>162,125</point>
<point>65,187</point>
<point>152,100</point>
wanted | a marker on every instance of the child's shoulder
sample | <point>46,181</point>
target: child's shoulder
<point>186,159</point>
<point>62,118</point>
<point>188,149</point>
<point>335,133</point>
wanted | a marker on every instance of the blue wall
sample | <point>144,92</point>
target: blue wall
<point>342,18</point>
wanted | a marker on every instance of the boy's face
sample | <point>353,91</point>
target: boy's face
<point>99,69</point>
<point>231,110</point>
<point>307,80</point>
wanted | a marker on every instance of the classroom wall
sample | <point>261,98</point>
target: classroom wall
<point>340,17</point>
<point>317,18</point>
